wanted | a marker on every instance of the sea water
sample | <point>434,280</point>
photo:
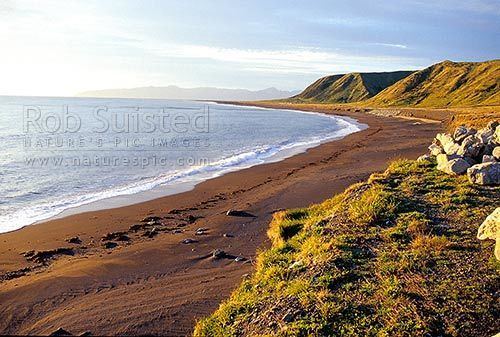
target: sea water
<point>59,155</point>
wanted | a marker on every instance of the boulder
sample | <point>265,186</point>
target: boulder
<point>435,149</point>
<point>471,147</point>
<point>484,174</point>
<point>488,149</point>
<point>496,153</point>
<point>457,166</point>
<point>447,143</point>
<point>490,229</point>
<point>470,161</point>
<point>485,135</point>
<point>452,164</point>
<point>488,159</point>
<point>461,132</point>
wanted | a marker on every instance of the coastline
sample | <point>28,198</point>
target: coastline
<point>186,179</point>
<point>104,286</point>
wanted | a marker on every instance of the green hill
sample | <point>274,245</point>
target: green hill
<point>394,256</point>
<point>445,84</point>
<point>348,88</point>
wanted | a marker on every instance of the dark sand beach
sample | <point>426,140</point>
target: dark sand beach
<point>154,284</point>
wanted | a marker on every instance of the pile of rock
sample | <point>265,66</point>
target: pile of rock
<point>475,152</point>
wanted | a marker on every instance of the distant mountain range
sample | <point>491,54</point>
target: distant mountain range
<point>445,84</point>
<point>204,93</point>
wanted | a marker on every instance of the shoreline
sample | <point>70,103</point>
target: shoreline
<point>185,185</point>
<point>97,289</point>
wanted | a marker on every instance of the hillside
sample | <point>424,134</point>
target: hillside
<point>394,256</point>
<point>352,87</point>
<point>445,84</point>
<point>202,93</point>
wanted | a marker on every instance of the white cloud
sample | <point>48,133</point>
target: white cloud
<point>60,48</point>
<point>302,60</point>
<point>392,45</point>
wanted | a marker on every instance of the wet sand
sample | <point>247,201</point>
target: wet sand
<point>153,283</point>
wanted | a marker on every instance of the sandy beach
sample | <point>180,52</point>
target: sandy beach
<point>151,282</point>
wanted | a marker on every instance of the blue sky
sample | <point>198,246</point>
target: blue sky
<point>62,47</point>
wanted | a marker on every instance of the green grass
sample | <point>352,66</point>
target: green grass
<point>395,256</point>
<point>352,87</point>
<point>442,85</point>
<point>445,84</point>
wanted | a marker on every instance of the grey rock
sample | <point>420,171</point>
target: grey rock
<point>136,227</point>
<point>496,153</point>
<point>435,149</point>
<point>447,143</point>
<point>452,164</point>
<point>232,212</point>
<point>462,132</point>
<point>485,135</point>
<point>484,174</point>
<point>74,239</point>
<point>218,254</point>
<point>457,166</point>
<point>471,147</point>
<point>488,159</point>
<point>470,161</point>
<point>488,149</point>
<point>490,229</point>
<point>443,161</point>
<point>110,245</point>
<point>201,231</point>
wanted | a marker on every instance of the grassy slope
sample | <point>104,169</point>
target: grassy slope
<point>347,88</point>
<point>445,84</point>
<point>395,256</point>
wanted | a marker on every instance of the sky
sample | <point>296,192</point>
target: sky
<point>60,48</point>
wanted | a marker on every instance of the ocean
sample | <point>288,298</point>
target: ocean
<point>65,155</point>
